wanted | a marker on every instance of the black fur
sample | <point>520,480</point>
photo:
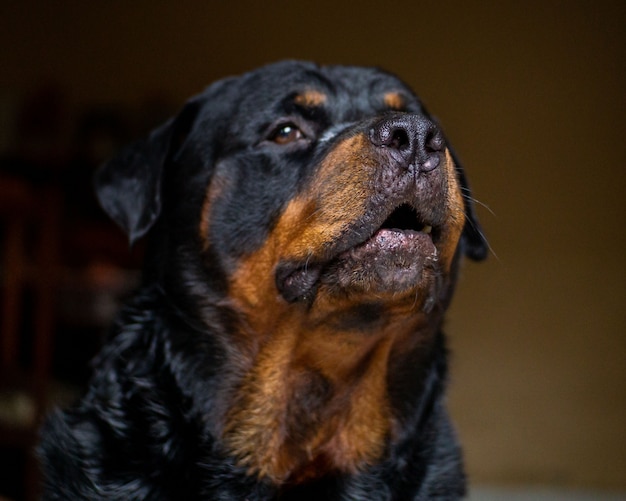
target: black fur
<point>147,427</point>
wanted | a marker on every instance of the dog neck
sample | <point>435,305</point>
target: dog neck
<point>313,397</point>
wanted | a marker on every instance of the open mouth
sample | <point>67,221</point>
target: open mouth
<point>402,239</point>
<point>392,258</point>
<point>406,218</point>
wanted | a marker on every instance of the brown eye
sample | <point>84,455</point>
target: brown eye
<point>286,134</point>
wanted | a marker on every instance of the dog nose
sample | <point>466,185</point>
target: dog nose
<point>412,140</point>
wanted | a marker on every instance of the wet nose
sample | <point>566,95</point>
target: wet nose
<point>412,140</point>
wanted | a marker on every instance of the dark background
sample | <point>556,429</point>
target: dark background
<point>532,95</point>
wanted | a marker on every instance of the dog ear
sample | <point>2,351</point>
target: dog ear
<point>128,186</point>
<point>473,241</point>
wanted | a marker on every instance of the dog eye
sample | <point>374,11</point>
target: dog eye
<point>286,133</point>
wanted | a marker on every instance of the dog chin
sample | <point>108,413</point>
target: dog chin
<point>392,261</point>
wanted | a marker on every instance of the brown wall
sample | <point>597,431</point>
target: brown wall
<point>532,95</point>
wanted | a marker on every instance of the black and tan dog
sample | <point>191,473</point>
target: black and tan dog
<point>305,225</point>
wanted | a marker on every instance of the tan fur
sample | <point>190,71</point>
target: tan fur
<point>394,101</point>
<point>310,98</point>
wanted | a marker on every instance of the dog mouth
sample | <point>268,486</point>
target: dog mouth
<point>392,257</point>
<point>406,219</point>
<point>402,237</point>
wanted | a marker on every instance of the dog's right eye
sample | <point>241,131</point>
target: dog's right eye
<point>286,133</point>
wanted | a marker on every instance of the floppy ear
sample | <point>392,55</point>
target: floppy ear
<point>128,186</point>
<point>472,239</point>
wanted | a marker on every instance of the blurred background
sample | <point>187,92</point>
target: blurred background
<point>531,94</point>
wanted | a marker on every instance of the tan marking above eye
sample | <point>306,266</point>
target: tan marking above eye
<point>395,101</point>
<point>310,98</point>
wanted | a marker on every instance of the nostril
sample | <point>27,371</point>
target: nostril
<point>399,139</point>
<point>435,142</point>
<point>391,135</point>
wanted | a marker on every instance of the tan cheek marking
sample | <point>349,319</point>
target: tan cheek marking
<point>317,217</point>
<point>307,225</point>
<point>252,286</point>
<point>456,218</point>
<point>394,100</point>
<point>216,187</point>
<point>339,192</point>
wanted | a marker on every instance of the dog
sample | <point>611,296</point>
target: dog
<point>304,227</point>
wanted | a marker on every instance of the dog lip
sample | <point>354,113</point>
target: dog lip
<point>296,281</point>
<point>400,246</point>
<point>404,219</point>
<point>390,261</point>
<point>404,243</point>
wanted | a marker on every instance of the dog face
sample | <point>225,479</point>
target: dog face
<point>324,206</point>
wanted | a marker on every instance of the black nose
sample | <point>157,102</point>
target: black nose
<point>412,140</point>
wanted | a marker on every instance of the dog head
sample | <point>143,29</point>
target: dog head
<point>326,208</point>
<point>305,182</point>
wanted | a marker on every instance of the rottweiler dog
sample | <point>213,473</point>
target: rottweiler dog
<point>304,226</point>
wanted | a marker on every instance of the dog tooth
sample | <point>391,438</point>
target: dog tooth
<point>427,229</point>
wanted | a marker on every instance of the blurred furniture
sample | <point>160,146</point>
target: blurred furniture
<point>29,230</point>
